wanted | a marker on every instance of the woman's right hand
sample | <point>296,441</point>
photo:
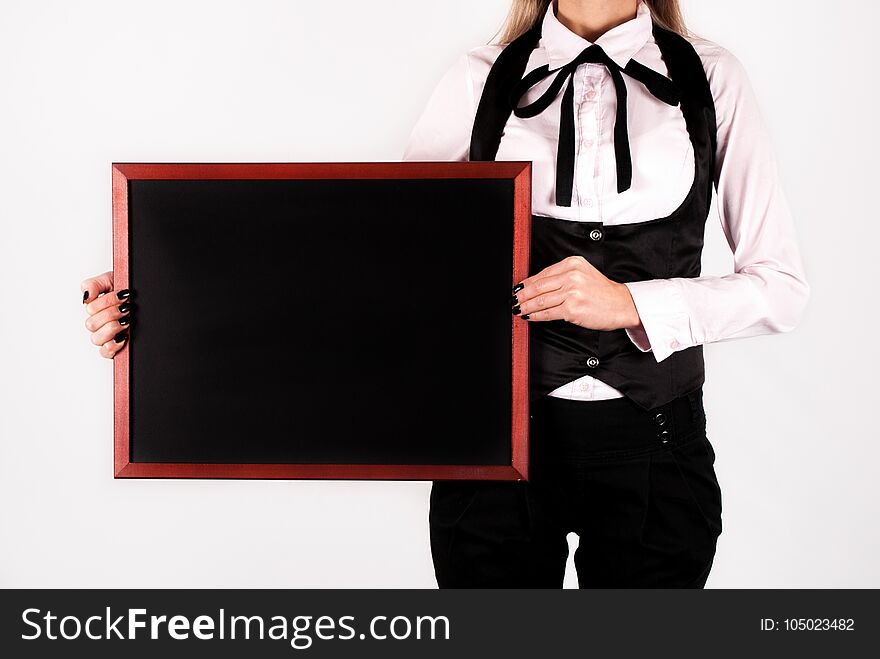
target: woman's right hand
<point>109,313</point>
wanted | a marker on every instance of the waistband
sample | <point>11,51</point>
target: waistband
<point>569,429</point>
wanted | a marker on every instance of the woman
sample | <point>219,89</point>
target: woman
<point>629,124</point>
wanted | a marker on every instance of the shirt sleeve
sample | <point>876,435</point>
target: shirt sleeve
<point>443,130</point>
<point>768,290</point>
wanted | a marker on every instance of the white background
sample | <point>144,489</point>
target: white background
<point>794,418</point>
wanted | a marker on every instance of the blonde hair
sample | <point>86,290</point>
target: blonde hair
<point>524,13</point>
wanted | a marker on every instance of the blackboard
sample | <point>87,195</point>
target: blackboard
<point>322,320</point>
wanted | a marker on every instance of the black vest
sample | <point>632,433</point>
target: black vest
<point>665,247</point>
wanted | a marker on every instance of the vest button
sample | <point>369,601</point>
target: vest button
<point>596,234</point>
<point>592,362</point>
<point>664,436</point>
<point>660,418</point>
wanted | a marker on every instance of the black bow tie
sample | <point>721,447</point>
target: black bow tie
<point>660,86</point>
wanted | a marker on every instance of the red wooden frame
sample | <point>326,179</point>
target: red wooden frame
<point>518,172</point>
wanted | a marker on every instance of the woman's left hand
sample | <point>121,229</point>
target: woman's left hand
<point>574,291</point>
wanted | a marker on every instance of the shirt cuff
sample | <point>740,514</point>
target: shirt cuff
<point>639,337</point>
<point>665,325</point>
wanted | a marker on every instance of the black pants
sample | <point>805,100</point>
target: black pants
<point>638,487</point>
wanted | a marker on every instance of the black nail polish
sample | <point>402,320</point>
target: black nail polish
<point>85,296</point>
<point>514,300</point>
<point>119,338</point>
<point>518,287</point>
<point>125,320</point>
<point>123,294</point>
<point>525,316</point>
<point>125,307</point>
<point>515,310</point>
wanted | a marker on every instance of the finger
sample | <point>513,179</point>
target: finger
<point>108,332</point>
<point>559,312</point>
<point>110,348</point>
<point>543,301</point>
<point>541,285</point>
<point>568,263</point>
<point>110,299</point>
<point>93,286</point>
<point>120,312</point>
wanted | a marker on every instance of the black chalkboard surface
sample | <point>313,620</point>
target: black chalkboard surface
<point>344,320</point>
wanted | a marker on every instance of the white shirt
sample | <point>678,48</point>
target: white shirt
<point>767,291</point>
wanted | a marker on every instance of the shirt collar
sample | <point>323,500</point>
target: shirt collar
<point>620,43</point>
